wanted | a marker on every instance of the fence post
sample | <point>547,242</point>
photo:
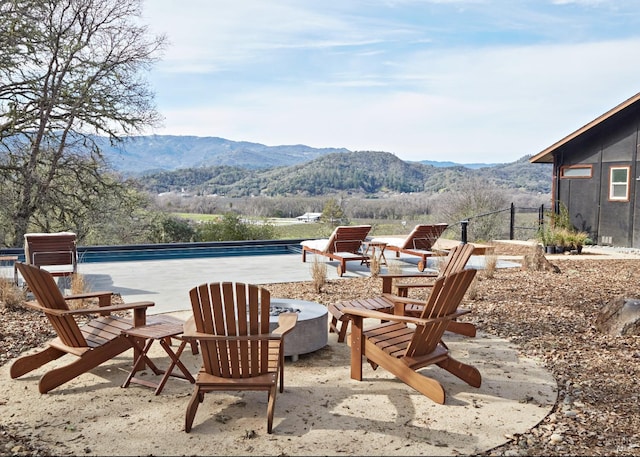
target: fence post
<point>463,231</point>
<point>541,216</point>
<point>513,221</point>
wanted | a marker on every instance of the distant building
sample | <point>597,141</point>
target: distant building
<point>309,217</point>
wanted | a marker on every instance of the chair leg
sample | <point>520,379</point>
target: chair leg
<point>30,362</point>
<point>343,330</point>
<point>333,326</point>
<point>89,361</point>
<point>271,408</point>
<point>192,407</point>
<point>467,373</point>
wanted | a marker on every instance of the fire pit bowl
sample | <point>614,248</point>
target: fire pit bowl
<point>310,333</point>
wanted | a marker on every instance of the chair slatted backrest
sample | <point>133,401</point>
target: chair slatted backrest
<point>423,236</point>
<point>348,238</point>
<point>239,314</point>
<point>446,296</point>
<point>457,259</point>
<point>45,290</point>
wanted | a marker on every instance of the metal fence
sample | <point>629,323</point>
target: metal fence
<point>512,223</point>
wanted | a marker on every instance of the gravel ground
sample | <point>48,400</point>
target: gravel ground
<point>550,315</point>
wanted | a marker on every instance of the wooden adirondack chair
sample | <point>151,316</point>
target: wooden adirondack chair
<point>344,245</point>
<point>94,343</point>
<point>231,322</point>
<point>455,261</point>
<point>402,349</point>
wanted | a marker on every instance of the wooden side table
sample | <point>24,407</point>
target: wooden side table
<point>162,332</point>
<point>374,249</point>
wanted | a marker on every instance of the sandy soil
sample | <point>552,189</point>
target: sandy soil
<point>321,411</point>
<point>552,385</point>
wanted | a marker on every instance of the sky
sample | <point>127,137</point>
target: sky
<point>467,81</point>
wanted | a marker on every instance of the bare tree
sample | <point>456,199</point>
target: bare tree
<point>70,70</point>
<point>478,200</point>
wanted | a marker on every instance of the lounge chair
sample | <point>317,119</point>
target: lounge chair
<point>231,321</point>
<point>404,344</point>
<point>418,243</point>
<point>344,245</point>
<point>94,343</point>
<point>55,252</point>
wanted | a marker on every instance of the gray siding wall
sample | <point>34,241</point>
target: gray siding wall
<point>588,199</point>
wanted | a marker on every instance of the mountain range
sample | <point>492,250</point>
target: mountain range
<point>140,154</point>
<point>213,165</point>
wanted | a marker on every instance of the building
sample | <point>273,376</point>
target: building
<point>596,175</point>
<point>309,217</point>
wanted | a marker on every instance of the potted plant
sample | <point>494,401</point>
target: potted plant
<point>559,240</point>
<point>571,241</point>
<point>545,235</point>
<point>580,239</point>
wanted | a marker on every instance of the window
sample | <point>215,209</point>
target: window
<point>576,171</point>
<point>619,183</point>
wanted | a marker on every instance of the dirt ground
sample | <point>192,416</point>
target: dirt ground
<point>543,317</point>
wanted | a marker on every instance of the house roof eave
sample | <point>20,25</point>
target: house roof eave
<point>546,156</point>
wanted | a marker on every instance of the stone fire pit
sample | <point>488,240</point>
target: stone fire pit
<point>310,333</point>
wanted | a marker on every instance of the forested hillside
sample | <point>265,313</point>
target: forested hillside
<point>360,172</point>
<point>139,154</point>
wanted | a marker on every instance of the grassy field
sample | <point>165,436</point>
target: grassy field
<point>198,217</point>
<point>525,226</point>
<point>292,229</point>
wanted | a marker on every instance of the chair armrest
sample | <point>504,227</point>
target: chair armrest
<point>88,295</point>
<point>104,297</point>
<point>413,285</point>
<point>397,318</point>
<point>367,313</point>
<point>407,275</point>
<point>111,308</point>
<point>405,300</point>
<point>286,323</point>
<point>34,305</point>
<point>91,310</point>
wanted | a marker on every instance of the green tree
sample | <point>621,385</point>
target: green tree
<point>232,228</point>
<point>333,213</point>
<point>69,70</point>
<point>173,230</point>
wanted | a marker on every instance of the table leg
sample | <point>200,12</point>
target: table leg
<point>175,361</point>
<point>383,258</point>
<point>140,362</point>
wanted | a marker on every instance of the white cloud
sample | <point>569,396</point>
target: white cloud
<point>281,72</point>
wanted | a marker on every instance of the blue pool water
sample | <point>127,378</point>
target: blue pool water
<point>124,253</point>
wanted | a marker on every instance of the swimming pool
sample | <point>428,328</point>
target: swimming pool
<point>163,251</point>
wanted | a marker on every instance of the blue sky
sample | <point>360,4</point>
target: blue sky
<point>449,80</point>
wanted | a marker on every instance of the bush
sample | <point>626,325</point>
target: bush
<point>232,228</point>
